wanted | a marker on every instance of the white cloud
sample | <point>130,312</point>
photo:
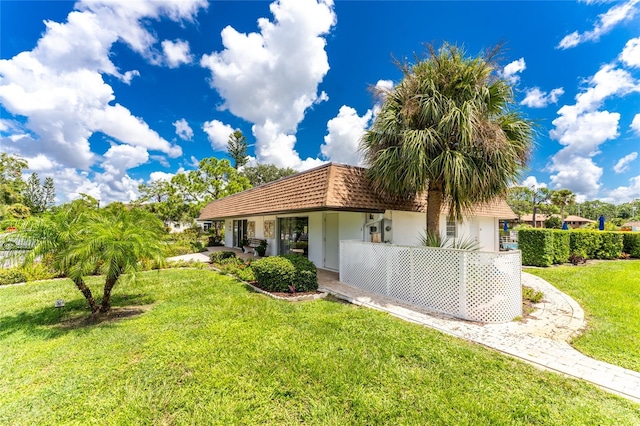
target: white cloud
<point>342,141</point>
<point>623,164</point>
<point>635,124</point>
<point>218,134</point>
<point>631,53</point>
<point>536,98</point>
<point>582,128</point>
<point>606,22</point>
<point>183,130</point>
<point>579,174</point>
<point>511,70</point>
<point>160,159</point>
<point>59,85</point>
<point>156,176</point>
<point>532,182</point>
<point>270,78</point>
<point>176,53</point>
<point>624,194</point>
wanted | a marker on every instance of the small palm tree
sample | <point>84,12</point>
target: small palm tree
<point>83,240</point>
<point>563,198</point>
<point>448,130</point>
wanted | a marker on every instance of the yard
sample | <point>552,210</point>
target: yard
<point>609,292</point>
<point>202,349</point>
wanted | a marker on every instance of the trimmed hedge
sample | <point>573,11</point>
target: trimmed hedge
<point>281,273</point>
<point>544,247</point>
<point>536,246</point>
<point>219,256</point>
<point>12,276</point>
<point>631,244</point>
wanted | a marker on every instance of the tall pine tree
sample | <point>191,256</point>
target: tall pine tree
<point>237,149</point>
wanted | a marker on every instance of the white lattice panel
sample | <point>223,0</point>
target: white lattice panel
<point>477,286</point>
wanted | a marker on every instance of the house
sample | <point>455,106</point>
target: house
<point>633,226</point>
<point>310,212</point>
<point>571,220</point>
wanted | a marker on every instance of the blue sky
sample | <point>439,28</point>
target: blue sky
<point>104,95</point>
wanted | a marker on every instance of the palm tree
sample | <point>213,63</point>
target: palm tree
<point>83,240</point>
<point>563,198</point>
<point>447,130</point>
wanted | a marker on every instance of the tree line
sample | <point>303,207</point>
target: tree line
<point>539,200</point>
<point>20,199</point>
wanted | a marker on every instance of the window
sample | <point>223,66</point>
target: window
<point>452,230</point>
<point>294,237</point>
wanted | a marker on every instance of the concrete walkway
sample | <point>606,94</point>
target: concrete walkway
<point>541,340</point>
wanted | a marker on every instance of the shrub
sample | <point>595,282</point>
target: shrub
<point>561,246</point>
<point>611,245</point>
<point>306,274</point>
<point>218,256</point>
<point>274,273</point>
<point>585,242</point>
<point>553,222</point>
<point>631,244</point>
<point>12,276</point>
<point>198,246</point>
<point>38,271</point>
<point>537,246</point>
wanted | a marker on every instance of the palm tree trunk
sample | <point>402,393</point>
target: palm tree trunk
<point>86,291</point>
<point>434,204</point>
<point>106,296</point>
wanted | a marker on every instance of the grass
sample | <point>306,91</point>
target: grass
<point>609,292</point>
<point>208,351</point>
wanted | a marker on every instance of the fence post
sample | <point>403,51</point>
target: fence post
<point>462,289</point>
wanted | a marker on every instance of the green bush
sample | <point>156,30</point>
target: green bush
<point>38,271</point>
<point>12,276</point>
<point>218,256</point>
<point>561,249</point>
<point>237,267</point>
<point>611,246</point>
<point>585,242</point>
<point>553,222</point>
<point>306,276</point>
<point>537,246</point>
<point>274,273</point>
<point>631,244</point>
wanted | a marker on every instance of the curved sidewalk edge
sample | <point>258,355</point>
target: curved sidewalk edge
<point>541,340</point>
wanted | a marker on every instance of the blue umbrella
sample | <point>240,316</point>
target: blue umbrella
<point>505,227</point>
<point>601,223</point>
<point>565,226</point>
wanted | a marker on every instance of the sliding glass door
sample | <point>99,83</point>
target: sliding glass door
<point>294,235</point>
<point>239,232</point>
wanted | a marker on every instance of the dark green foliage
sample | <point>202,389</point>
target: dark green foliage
<point>586,243</point>
<point>611,247</point>
<point>537,246</point>
<point>306,276</point>
<point>553,222</point>
<point>561,246</point>
<point>631,244</point>
<point>12,276</point>
<point>262,248</point>
<point>238,268</point>
<point>274,273</point>
<point>218,256</point>
<point>286,272</point>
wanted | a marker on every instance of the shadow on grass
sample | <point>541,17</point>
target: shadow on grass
<point>75,316</point>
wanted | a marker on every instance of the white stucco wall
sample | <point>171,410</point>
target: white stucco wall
<point>316,253</point>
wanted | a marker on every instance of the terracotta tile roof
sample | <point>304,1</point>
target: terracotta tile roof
<point>542,217</point>
<point>328,187</point>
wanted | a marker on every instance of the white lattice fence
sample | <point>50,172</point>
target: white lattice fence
<point>477,286</point>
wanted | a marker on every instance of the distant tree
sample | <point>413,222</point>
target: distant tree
<point>553,222</point>
<point>33,194</point>
<point>539,196</point>
<point>237,149</point>
<point>594,208</point>
<point>11,183</point>
<point>181,199</point>
<point>562,198</point>
<point>449,129</point>
<point>263,173</point>
<point>519,199</point>
<point>48,193</point>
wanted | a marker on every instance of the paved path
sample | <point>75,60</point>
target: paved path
<point>542,340</point>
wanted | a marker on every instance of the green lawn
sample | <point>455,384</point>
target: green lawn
<point>208,351</point>
<point>609,292</point>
